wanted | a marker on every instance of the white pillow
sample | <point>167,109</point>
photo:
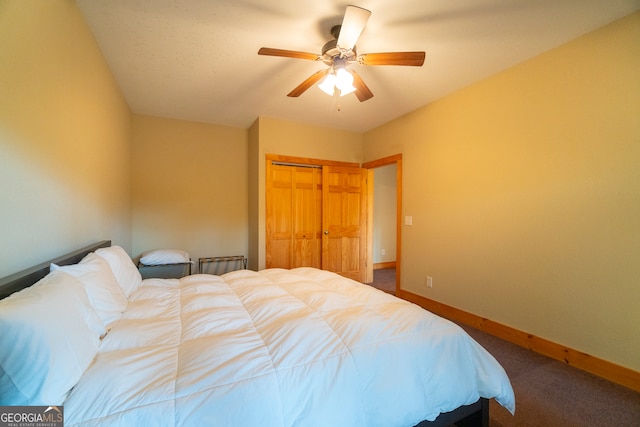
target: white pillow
<point>49,334</point>
<point>123,268</point>
<point>104,293</point>
<point>164,256</point>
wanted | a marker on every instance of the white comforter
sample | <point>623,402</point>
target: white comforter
<point>279,348</point>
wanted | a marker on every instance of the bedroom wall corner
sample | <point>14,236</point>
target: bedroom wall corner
<point>190,187</point>
<point>254,199</point>
<point>524,190</point>
<point>64,137</point>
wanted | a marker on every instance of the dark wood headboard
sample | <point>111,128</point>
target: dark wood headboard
<point>25,278</point>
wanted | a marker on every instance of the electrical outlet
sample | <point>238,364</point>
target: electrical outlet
<point>383,252</point>
<point>428,282</point>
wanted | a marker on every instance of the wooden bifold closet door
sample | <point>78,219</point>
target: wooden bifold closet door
<point>316,217</point>
<point>294,216</point>
<point>344,221</point>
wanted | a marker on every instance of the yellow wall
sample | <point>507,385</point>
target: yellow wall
<point>525,194</point>
<point>274,136</point>
<point>190,183</point>
<point>64,137</point>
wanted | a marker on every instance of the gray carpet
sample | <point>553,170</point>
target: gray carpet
<point>548,393</point>
<point>385,280</point>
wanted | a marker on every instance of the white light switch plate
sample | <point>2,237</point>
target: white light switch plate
<point>408,220</point>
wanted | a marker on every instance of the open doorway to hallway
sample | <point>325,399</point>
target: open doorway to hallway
<point>385,225</point>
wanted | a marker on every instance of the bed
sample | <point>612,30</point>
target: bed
<point>301,347</point>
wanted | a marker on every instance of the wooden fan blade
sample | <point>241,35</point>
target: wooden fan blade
<point>288,53</point>
<point>415,59</point>
<point>362,90</point>
<point>302,87</point>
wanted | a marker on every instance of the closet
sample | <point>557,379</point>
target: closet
<point>316,216</point>
<point>294,216</point>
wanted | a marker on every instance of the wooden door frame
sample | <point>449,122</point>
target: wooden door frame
<point>307,161</point>
<point>397,160</point>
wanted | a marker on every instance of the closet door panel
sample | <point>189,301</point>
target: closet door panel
<point>344,221</point>
<point>279,222</point>
<point>294,216</point>
<point>307,208</point>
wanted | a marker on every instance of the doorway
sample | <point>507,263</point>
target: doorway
<point>387,211</point>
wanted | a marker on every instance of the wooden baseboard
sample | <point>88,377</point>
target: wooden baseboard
<point>380,265</point>
<point>602,368</point>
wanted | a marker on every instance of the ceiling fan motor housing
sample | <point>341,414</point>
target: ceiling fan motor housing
<point>331,51</point>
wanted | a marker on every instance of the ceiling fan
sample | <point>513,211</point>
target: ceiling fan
<point>340,52</point>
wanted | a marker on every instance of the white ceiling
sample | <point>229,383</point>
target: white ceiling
<point>197,59</point>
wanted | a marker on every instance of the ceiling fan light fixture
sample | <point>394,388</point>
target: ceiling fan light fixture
<point>328,84</point>
<point>340,79</point>
<point>347,91</point>
<point>344,81</point>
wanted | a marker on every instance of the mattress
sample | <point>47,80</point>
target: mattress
<point>301,347</point>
